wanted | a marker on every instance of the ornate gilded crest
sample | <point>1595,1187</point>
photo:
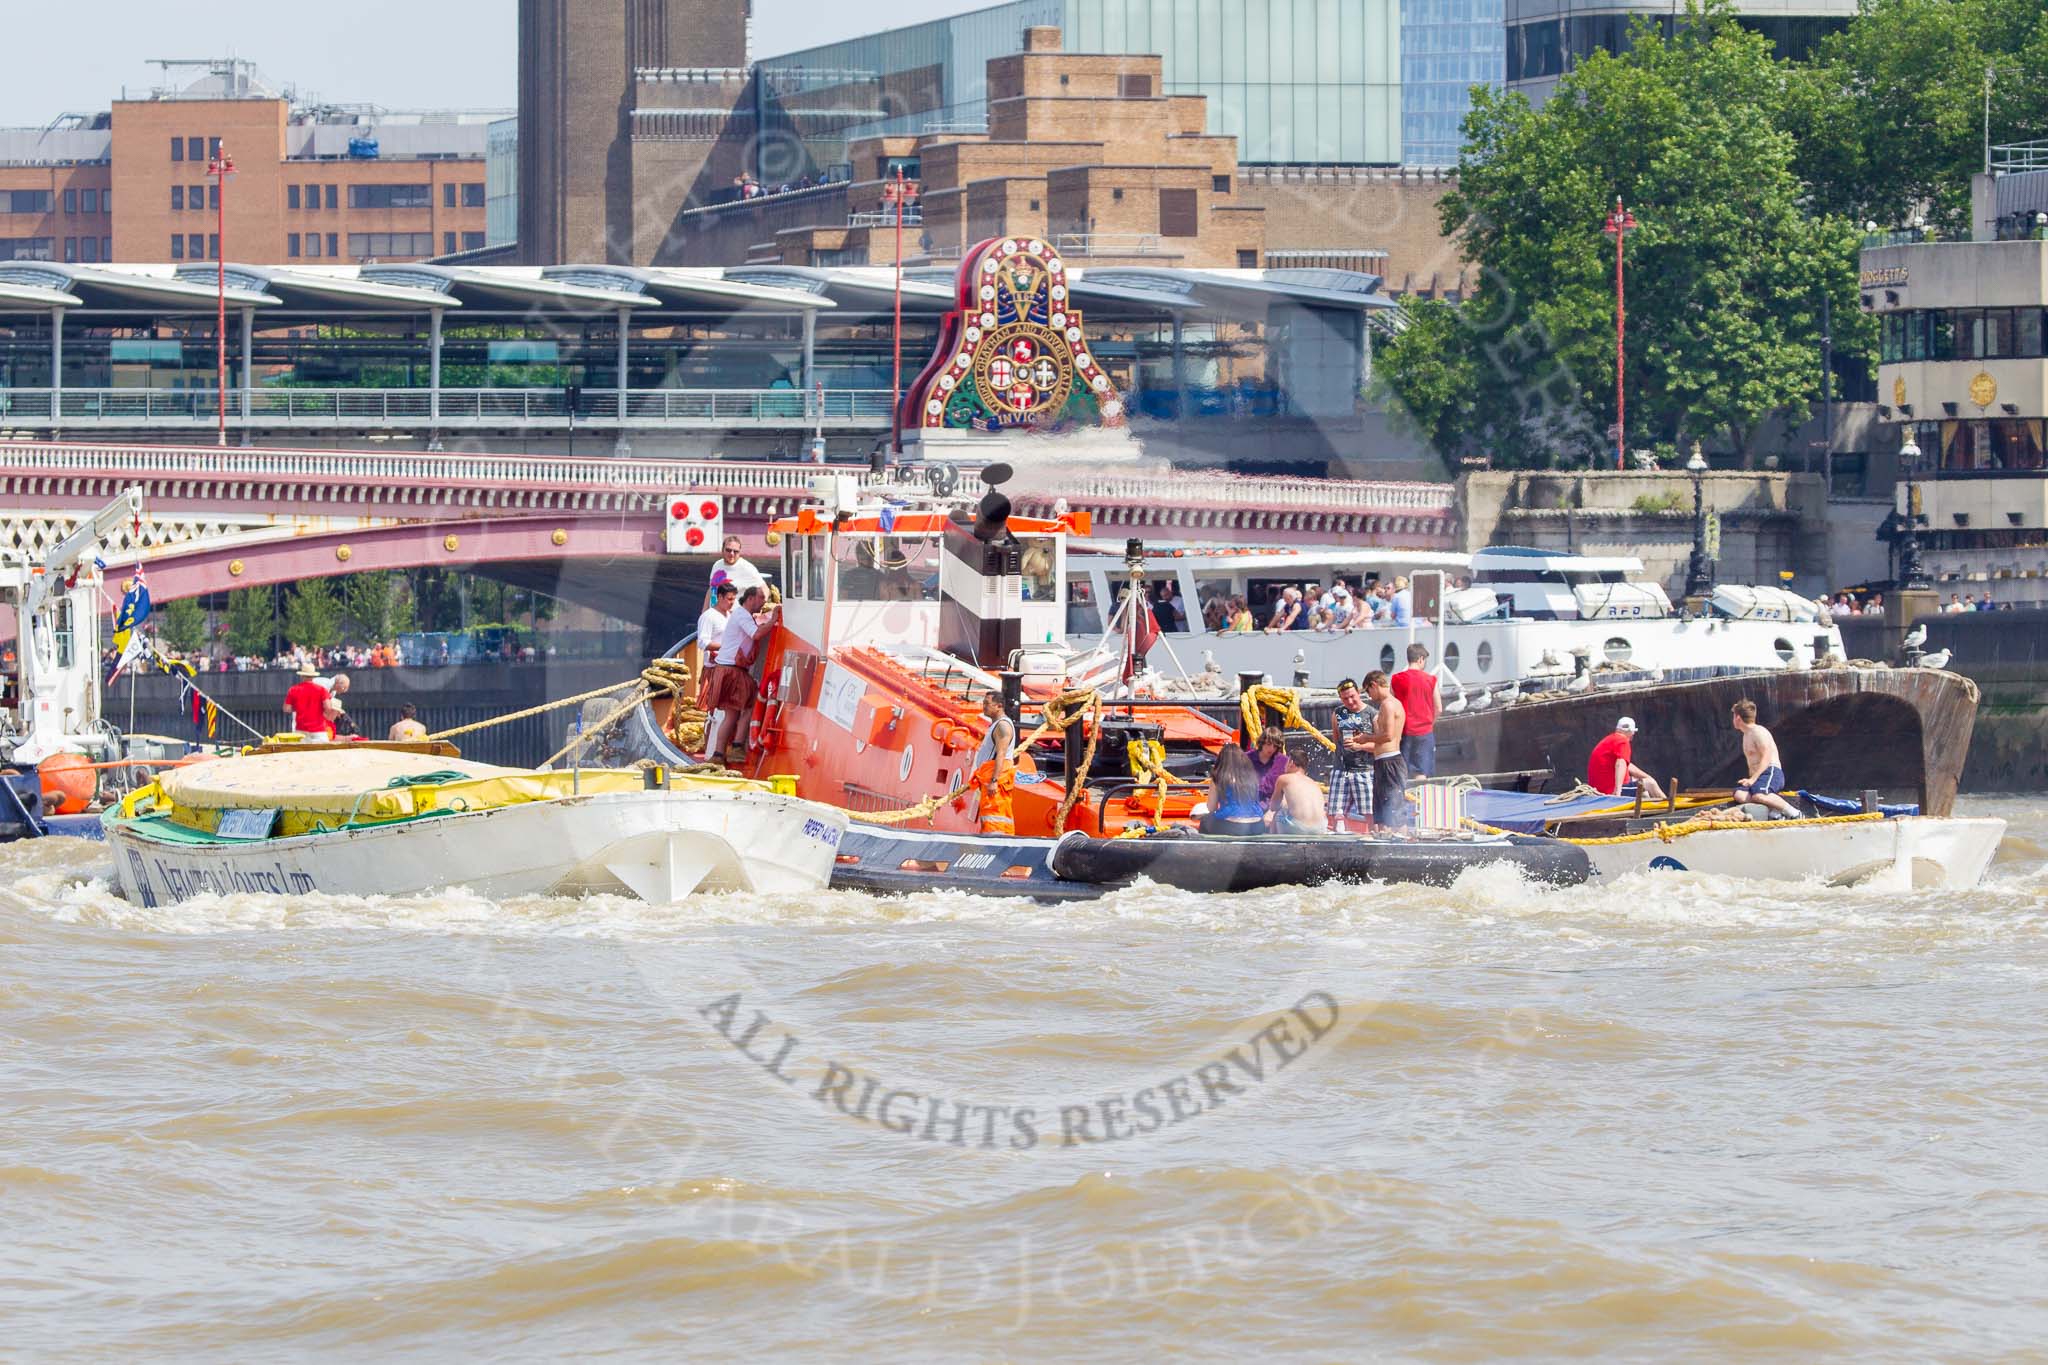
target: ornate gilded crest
<point>1983,390</point>
<point>1013,353</point>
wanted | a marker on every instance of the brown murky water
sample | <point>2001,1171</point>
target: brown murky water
<point>1674,1116</point>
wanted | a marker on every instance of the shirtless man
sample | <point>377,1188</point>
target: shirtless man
<point>1766,775</point>
<point>1389,771</point>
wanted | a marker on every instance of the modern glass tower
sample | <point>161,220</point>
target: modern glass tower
<point>1311,82</point>
<point>1447,47</point>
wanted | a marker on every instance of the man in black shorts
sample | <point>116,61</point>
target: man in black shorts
<point>1389,769</point>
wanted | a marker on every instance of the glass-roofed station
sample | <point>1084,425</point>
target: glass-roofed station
<point>696,362</point>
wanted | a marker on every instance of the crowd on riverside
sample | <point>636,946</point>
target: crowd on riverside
<point>1307,606</point>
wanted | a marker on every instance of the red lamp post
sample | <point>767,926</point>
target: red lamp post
<point>220,168</point>
<point>899,195</point>
<point>1619,224</point>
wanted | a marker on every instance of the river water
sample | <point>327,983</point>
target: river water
<point>1671,1116</point>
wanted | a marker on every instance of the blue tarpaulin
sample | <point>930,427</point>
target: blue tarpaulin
<point>1529,812</point>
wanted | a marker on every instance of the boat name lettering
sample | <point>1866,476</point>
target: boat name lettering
<point>822,832</point>
<point>185,882</point>
<point>974,861</point>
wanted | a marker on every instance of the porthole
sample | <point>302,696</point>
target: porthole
<point>1484,656</point>
<point>1386,658</point>
<point>1786,653</point>
<point>1451,656</point>
<point>1618,650</point>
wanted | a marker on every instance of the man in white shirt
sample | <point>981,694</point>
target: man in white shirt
<point>732,684</point>
<point>711,634</point>
<point>731,568</point>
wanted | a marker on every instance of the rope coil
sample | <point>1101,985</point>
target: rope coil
<point>1283,700</point>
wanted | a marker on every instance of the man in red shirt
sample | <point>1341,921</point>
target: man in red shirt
<point>1612,765</point>
<point>1415,688</point>
<point>306,704</point>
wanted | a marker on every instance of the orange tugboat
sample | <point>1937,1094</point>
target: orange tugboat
<point>921,634</point>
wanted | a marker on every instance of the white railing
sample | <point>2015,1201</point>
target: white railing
<point>1206,490</point>
<point>296,407</point>
<point>507,473</point>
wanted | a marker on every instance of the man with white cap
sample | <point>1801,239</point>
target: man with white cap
<point>1612,765</point>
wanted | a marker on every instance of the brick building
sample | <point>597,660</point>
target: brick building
<point>311,183</point>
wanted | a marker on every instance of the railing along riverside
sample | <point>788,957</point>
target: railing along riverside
<point>457,407</point>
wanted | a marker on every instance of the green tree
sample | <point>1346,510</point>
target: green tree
<point>372,598</point>
<point>1726,267</point>
<point>1890,113</point>
<point>252,621</point>
<point>182,625</point>
<point>313,619</point>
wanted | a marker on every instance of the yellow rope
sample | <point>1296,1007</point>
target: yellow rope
<point>1671,833</point>
<point>1148,763</point>
<point>902,817</point>
<point>1284,701</point>
<point>535,710</point>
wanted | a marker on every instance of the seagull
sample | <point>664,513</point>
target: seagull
<point>1917,636</point>
<point>1938,659</point>
<point>1480,700</point>
<point>1582,683</point>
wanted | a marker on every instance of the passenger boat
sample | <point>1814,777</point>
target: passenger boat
<point>1529,621</point>
<point>902,610</point>
<point>401,820</point>
<point>1838,844</point>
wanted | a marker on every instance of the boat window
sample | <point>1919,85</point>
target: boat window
<point>814,556</point>
<point>793,567</point>
<point>1083,617</point>
<point>61,633</point>
<point>1387,659</point>
<point>1618,650</point>
<point>1035,563</point>
<point>1785,650</point>
<point>1451,656</point>
<point>1483,656</point>
<point>876,568</point>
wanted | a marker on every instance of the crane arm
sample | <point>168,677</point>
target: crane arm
<point>71,551</point>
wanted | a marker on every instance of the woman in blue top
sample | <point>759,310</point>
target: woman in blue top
<point>1234,803</point>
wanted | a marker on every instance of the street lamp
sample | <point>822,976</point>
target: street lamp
<point>1699,573</point>
<point>1912,573</point>
<point>1619,224</point>
<point>220,168</point>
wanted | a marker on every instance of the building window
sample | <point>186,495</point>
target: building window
<point>330,196</point>
<point>332,238</point>
<point>448,195</point>
<point>195,198</point>
<point>313,244</point>
<point>177,149</point>
<point>71,203</point>
<point>91,199</point>
<point>213,195</point>
<point>177,247</point>
<point>1116,196</point>
<point>390,196</point>
<point>89,248</point>
<point>195,246</point>
<point>177,198</point>
<point>1034,206</point>
<point>70,248</point>
<point>27,201</point>
<point>106,201</point>
<point>212,247</point>
<point>448,243</point>
<point>1177,215</point>
<point>195,149</point>
<point>1219,184</point>
<point>291,197</point>
<point>1247,260</point>
<point>385,245</point>
<point>1134,86</point>
<point>472,241</point>
<point>213,146</point>
<point>106,248</point>
<point>473,196</point>
<point>291,245</point>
